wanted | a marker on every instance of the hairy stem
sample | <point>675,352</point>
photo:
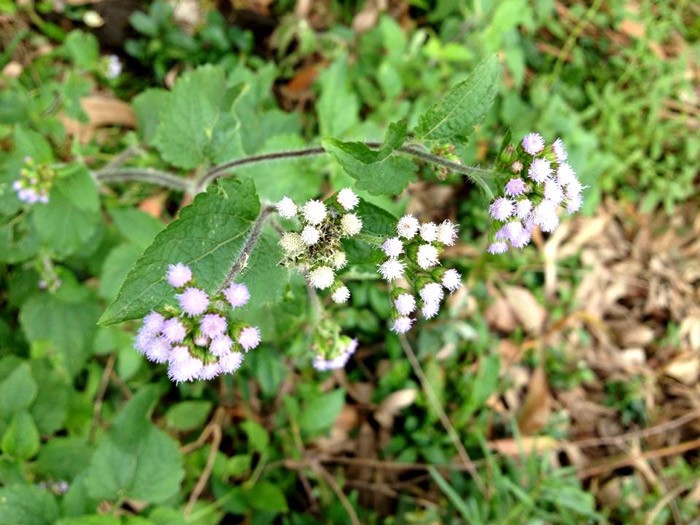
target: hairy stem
<point>149,175</point>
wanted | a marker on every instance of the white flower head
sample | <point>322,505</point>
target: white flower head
<point>220,346</point>
<point>501,208</point>
<point>314,212</point>
<point>347,199</point>
<point>158,351</point>
<point>429,231</point>
<point>539,170</point>
<point>249,338</point>
<point>452,280</point>
<point>209,371</point>
<point>574,202</point>
<point>179,275</point>
<point>392,247</point>
<point>341,295</point>
<point>322,277</point>
<point>286,208</point>
<point>310,235</point>
<point>430,309</point>
<point>402,325</point>
<point>553,191</point>
<point>427,256</point>
<point>559,150</point>
<point>291,243</point>
<point>351,224</point>
<point>391,270</point>
<point>193,301</point>
<point>497,248</point>
<point>339,260</point>
<point>545,216</point>
<point>565,174</point>
<point>405,304</point>
<point>447,233</point>
<point>523,208</point>
<point>230,362</point>
<point>533,143</point>
<point>407,227</point>
<point>431,293</point>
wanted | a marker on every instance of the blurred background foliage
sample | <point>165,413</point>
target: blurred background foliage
<point>536,367</point>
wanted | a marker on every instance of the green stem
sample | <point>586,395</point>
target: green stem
<point>149,175</point>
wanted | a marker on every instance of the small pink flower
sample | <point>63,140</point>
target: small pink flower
<point>533,143</point>
<point>174,331</point>
<point>230,362</point>
<point>237,295</point>
<point>249,338</point>
<point>501,208</point>
<point>497,248</point>
<point>213,325</point>
<point>539,170</point>
<point>153,323</point>
<point>179,275</point>
<point>515,187</point>
<point>221,346</point>
<point>194,301</point>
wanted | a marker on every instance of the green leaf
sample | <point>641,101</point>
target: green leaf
<point>72,214</point>
<point>208,236</point>
<point>337,106</point>
<point>265,277</point>
<point>63,458</point>
<point>136,460</point>
<point>137,226</point>
<point>27,505</point>
<point>379,171</point>
<point>454,497</point>
<point>267,496</point>
<point>17,391</point>
<point>51,405</point>
<point>82,49</point>
<point>188,415</point>
<point>94,519</point>
<point>322,411</point>
<point>257,435</point>
<point>198,124</point>
<point>376,222</point>
<point>21,439</point>
<point>453,118</point>
<point>148,107</point>
<point>115,269</point>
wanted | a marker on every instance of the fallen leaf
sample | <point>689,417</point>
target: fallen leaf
<point>685,368</point>
<point>101,111</point>
<point>523,446</point>
<point>632,28</point>
<point>529,312</point>
<point>393,404</point>
<point>534,413</point>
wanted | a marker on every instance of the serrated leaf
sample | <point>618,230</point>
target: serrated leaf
<point>454,117</point>
<point>337,106</point>
<point>208,236</point>
<point>27,505</point>
<point>379,171</point>
<point>198,123</point>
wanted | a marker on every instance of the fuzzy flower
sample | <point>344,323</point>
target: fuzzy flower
<point>237,294</point>
<point>515,187</point>
<point>194,301</point>
<point>447,233</point>
<point>341,295</point>
<point>429,232</point>
<point>497,248</point>
<point>427,256</point>
<point>291,243</point>
<point>213,325</point>
<point>286,208</point>
<point>347,199</point>
<point>310,235</point>
<point>209,371</point>
<point>501,209</point>
<point>249,338</point>
<point>559,150</point>
<point>539,170</point>
<point>182,366</point>
<point>533,143</point>
<point>393,247</point>
<point>201,340</point>
<point>431,292</point>
<point>351,224</point>
<point>221,346</point>
<point>405,304</point>
<point>452,280</point>
<point>230,362</point>
<point>566,175</point>
<point>179,275</point>
<point>153,323</point>
<point>337,362</point>
<point>545,216</point>
<point>523,208</point>
<point>407,227</point>
<point>553,192</point>
<point>314,212</point>
<point>322,277</point>
<point>339,260</point>
<point>174,331</point>
<point>114,67</point>
<point>430,309</point>
<point>516,167</point>
<point>574,202</point>
<point>158,350</point>
<point>402,325</point>
<point>391,270</point>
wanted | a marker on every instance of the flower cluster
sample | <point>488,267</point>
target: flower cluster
<point>341,352</point>
<point>316,248</point>
<point>541,182</point>
<point>414,256</point>
<point>331,349</point>
<point>196,339</point>
<point>35,182</point>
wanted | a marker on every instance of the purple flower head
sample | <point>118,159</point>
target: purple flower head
<point>523,208</point>
<point>213,325</point>
<point>185,368</point>
<point>201,340</point>
<point>515,187</point>
<point>209,371</point>
<point>533,143</point>
<point>143,341</point>
<point>221,346</point>
<point>237,294</point>
<point>501,209</point>
<point>174,331</point>
<point>498,247</point>
<point>194,301</point>
<point>179,275</point>
<point>539,170</point>
<point>230,362</point>
<point>153,323</point>
<point>249,338</point>
<point>158,351</point>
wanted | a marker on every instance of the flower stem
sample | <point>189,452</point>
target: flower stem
<point>149,175</point>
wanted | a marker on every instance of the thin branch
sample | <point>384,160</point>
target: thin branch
<point>99,398</point>
<point>338,492</point>
<point>209,466</point>
<point>148,175</point>
<point>446,423</point>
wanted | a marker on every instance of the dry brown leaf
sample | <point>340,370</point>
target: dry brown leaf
<point>154,205</point>
<point>12,69</point>
<point>632,28</point>
<point>500,316</point>
<point>525,445</point>
<point>534,413</point>
<point>101,111</point>
<point>367,18</point>
<point>526,308</point>
<point>685,368</point>
<point>393,404</point>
